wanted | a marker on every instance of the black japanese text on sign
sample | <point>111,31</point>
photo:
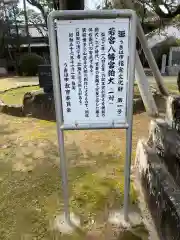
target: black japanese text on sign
<point>93,63</point>
<point>120,100</point>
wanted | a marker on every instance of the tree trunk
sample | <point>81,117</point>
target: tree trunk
<point>27,28</point>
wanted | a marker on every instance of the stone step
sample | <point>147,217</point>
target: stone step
<point>161,192</point>
<point>166,142</point>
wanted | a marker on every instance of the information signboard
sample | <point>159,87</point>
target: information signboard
<point>93,63</point>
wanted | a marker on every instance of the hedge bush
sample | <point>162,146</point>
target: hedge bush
<point>29,64</point>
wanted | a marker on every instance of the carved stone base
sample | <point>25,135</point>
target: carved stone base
<point>166,141</point>
<point>161,192</point>
<point>173,112</point>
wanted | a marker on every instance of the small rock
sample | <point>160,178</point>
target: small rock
<point>117,218</point>
<point>1,103</point>
<point>5,146</point>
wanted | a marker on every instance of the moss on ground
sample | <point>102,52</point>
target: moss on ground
<point>171,87</point>
<point>12,82</point>
<point>15,96</point>
<point>31,194</point>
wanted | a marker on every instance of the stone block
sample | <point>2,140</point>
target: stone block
<point>3,71</point>
<point>138,105</point>
<point>173,70</point>
<point>160,102</point>
<point>173,112</point>
<point>40,105</point>
<point>166,141</point>
<point>45,78</point>
<point>161,192</point>
<point>178,80</point>
<point>14,110</point>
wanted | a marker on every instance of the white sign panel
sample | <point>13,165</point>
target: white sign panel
<point>93,61</point>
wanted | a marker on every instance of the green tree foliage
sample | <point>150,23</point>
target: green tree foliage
<point>152,13</point>
<point>29,64</point>
<point>44,6</point>
<point>10,35</point>
<point>2,36</point>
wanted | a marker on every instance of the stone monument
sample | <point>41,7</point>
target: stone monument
<point>174,61</point>
<point>163,64</point>
<point>178,80</point>
<point>40,103</point>
<point>158,170</point>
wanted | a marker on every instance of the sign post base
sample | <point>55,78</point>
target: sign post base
<point>67,226</point>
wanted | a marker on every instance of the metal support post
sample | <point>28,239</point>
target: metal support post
<point>127,173</point>
<point>151,60</point>
<point>59,117</point>
<point>144,89</point>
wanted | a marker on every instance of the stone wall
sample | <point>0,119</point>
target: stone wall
<point>173,70</point>
<point>41,105</point>
<point>157,167</point>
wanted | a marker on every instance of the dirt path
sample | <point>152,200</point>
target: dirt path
<point>7,83</point>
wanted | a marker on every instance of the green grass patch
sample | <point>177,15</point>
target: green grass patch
<point>32,197</point>
<point>94,193</point>
<point>31,190</point>
<point>172,87</point>
<point>15,96</point>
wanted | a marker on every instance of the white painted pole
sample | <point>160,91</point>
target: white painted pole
<point>151,60</point>
<point>144,89</point>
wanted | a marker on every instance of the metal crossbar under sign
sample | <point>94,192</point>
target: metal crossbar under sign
<point>93,62</point>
